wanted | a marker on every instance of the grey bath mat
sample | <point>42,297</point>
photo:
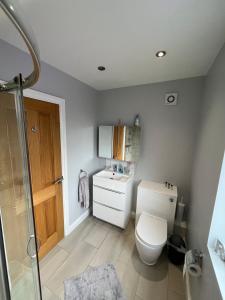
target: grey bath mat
<point>99,283</point>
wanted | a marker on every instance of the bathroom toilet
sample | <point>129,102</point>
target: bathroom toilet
<point>151,236</point>
<point>155,214</point>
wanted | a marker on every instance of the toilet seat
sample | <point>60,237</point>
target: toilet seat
<point>151,230</point>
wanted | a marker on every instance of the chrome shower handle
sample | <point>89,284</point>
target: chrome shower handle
<point>29,246</point>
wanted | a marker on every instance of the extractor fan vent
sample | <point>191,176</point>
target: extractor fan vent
<point>171,99</point>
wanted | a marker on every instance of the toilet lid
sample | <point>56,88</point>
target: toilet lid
<point>152,230</point>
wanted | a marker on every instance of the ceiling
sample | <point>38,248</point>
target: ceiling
<point>76,36</point>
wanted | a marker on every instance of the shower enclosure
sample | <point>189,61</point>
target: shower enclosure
<point>19,271</point>
<point>19,266</point>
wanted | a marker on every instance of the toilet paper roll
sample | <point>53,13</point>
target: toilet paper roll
<point>192,265</point>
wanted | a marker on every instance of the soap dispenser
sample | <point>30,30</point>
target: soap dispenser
<point>115,169</point>
<point>120,169</point>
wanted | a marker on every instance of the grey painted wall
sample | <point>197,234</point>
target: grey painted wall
<point>168,132</point>
<point>207,165</point>
<point>81,112</point>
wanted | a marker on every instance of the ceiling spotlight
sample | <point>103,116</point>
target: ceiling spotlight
<point>11,7</point>
<point>160,53</point>
<point>101,68</point>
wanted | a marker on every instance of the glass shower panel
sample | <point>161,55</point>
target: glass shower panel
<point>15,203</point>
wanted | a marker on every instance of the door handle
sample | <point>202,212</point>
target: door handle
<point>31,250</point>
<point>58,180</point>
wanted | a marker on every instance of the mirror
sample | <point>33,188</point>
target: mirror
<point>105,141</point>
<point>119,142</point>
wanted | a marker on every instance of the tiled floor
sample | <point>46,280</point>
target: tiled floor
<point>95,242</point>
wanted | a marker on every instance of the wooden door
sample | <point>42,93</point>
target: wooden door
<point>43,134</point>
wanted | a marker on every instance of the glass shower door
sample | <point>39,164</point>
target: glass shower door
<point>18,252</point>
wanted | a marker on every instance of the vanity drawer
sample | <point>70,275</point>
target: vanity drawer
<point>109,198</point>
<point>109,215</point>
<point>114,184</point>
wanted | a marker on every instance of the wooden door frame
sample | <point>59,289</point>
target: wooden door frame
<point>62,115</point>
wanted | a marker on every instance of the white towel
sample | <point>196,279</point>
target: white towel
<point>83,191</point>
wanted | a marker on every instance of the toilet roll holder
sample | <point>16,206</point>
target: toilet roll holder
<point>193,262</point>
<point>198,254</point>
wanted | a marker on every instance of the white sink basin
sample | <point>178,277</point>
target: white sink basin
<point>111,180</point>
<point>112,175</point>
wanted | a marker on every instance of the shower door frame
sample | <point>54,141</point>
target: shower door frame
<point>4,280</point>
<point>17,90</point>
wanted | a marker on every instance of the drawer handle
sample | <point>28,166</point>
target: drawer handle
<point>99,203</point>
<point>103,188</point>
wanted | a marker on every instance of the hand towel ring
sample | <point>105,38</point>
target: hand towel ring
<point>82,173</point>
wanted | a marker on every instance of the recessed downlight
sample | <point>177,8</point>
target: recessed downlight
<point>101,68</point>
<point>11,7</point>
<point>160,53</point>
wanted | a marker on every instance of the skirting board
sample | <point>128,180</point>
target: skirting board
<point>78,222</point>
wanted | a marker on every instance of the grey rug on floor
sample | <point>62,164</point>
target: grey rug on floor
<point>99,283</point>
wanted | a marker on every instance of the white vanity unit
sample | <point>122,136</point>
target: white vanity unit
<point>112,196</point>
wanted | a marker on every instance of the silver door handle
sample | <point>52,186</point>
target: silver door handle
<point>58,180</point>
<point>31,249</point>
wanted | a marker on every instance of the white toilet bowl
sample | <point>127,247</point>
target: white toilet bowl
<point>150,236</point>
